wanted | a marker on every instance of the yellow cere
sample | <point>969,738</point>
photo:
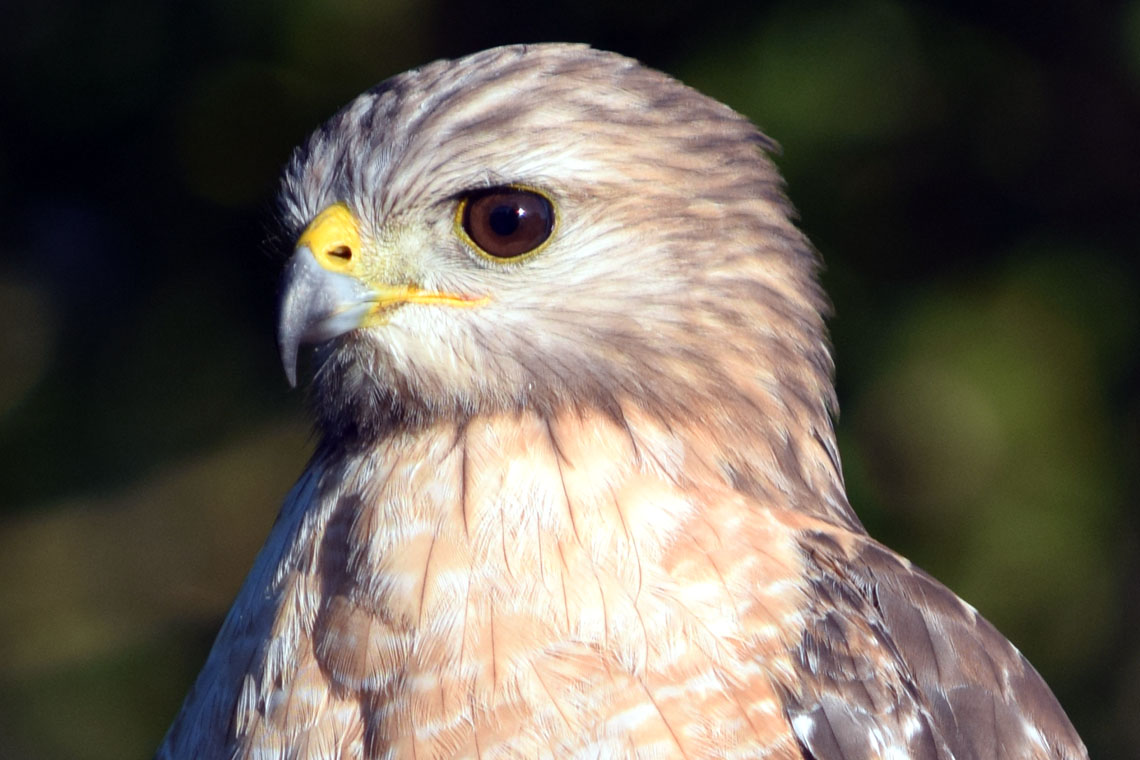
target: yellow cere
<point>334,238</point>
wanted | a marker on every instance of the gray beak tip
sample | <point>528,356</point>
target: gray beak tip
<point>288,347</point>
<point>315,305</point>
<point>291,375</point>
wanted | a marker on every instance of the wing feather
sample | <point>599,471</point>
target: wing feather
<point>245,637</point>
<point>893,664</point>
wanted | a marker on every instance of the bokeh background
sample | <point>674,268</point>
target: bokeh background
<point>970,171</point>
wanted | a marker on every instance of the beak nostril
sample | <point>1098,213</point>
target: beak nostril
<point>341,252</point>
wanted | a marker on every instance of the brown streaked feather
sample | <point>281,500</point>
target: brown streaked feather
<point>888,647</point>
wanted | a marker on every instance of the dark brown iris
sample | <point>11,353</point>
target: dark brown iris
<point>506,222</point>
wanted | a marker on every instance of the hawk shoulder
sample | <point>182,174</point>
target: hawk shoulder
<point>892,663</point>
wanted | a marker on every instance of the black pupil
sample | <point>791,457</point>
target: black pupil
<point>506,222</point>
<point>505,219</point>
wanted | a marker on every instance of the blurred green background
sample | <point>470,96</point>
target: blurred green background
<point>970,171</point>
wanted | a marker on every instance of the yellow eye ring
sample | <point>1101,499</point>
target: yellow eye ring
<point>508,223</point>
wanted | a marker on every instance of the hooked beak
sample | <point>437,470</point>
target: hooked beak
<point>326,292</point>
<point>317,305</point>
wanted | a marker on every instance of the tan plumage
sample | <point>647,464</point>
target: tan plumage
<point>586,502</point>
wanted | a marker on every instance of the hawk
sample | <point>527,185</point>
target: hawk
<point>577,491</point>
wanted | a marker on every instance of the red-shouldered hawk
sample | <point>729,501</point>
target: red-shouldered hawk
<point>577,491</point>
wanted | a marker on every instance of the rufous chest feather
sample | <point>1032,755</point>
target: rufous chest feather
<point>495,582</point>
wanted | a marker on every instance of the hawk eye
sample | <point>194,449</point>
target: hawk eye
<point>506,222</point>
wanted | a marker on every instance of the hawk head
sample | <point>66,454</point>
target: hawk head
<point>544,226</point>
